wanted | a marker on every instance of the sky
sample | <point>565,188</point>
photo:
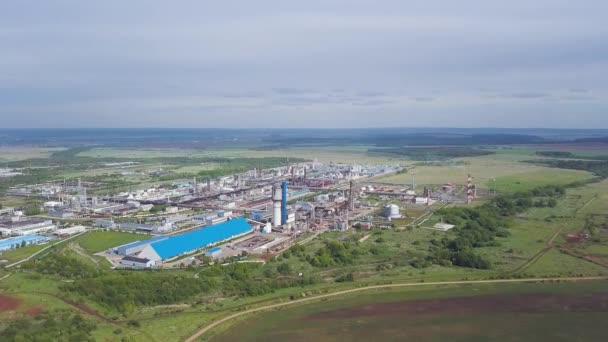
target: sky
<point>314,63</point>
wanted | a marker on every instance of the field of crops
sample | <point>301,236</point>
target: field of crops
<point>539,312</point>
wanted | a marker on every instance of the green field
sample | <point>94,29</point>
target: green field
<point>531,312</point>
<point>99,241</point>
<point>530,180</point>
<point>509,175</point>
<point>345,154</point>
<point>21,253</point>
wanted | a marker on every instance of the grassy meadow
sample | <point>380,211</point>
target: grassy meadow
<point>99,241</point>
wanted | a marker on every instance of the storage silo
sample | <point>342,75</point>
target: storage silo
<point>392,211</point>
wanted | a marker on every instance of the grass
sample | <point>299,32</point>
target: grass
<point>297,323</point>
<point>21,253</point>
<point>530,180</point>
<point>506,166</point>
<point>555,263</point>
<point>99,241</point>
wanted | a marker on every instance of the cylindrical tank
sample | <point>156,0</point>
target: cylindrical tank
<point>394,210</point>
<point>391,211</point>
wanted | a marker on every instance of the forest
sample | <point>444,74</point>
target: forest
<point>480,226</point>
<point>56,325</point>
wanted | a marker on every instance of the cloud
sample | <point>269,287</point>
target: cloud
<point>578,98</point>
<point>578,90</point>
<point>526,95</point>
<point>424,99</point>
<point>332,62</point>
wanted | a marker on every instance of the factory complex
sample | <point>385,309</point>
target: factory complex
<point>194,240</point>
<point>275,206</point>
<point>160,249</point>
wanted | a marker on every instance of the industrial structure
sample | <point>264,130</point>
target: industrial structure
<point>177,245</point>
<point>22,241</point>
<point>21,225</point>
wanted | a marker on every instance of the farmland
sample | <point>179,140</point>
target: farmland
<point>510,175</point>
<point>540,312</point>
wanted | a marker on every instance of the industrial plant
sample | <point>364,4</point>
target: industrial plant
<point>261,211</point>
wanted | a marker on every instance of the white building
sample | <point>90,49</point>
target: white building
<point>70,231</point>
<point>19,226</point>
<point>104,223</point>
<point>135,262</point>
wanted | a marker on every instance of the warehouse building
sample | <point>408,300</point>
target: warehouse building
<point>189,242</point>
<point>137,246</point>
<point>63,232</point>
<point>135,262</point>
<point>19,226</point>
<point>214,252</point>
<point>21,241</point>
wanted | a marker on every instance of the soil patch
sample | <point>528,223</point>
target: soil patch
<point>529,303</point>
<point>34,311</point>
<point>8,303</point>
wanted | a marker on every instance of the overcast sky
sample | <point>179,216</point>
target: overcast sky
<point>313,63</point>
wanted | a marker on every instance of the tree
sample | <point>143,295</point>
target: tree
<point>284,268</point>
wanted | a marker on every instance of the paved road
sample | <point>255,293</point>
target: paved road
<point>203,330</point>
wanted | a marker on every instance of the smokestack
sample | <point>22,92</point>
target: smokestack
<point>284,203</point>
<point>276,206</point>
<point>470,190</point>
<point>351,204</point>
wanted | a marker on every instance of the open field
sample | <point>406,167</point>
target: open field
<point>555,263</point>
<point>533,179</point>
<point>540,312</point>
<point>347,154</point>
<point>99,241</point>
<point>509,175</point>
<point>22,153</point>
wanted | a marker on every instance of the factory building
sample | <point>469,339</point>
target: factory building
<point>58,213</point>
<point>18,242</point>
<point>213,252</point>
<point>104,223</point>
<point>189,242</point>
<point>135,262</point>
<point>137,246</point>
<point>63,232</point>
<point>146,228</point>
<point>19,226</point>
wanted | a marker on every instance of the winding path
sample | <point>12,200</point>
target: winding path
<point>207,328</point>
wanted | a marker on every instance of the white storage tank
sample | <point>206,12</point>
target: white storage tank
<point>392,211</point>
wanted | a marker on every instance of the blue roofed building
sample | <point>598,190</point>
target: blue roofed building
<point>20,241</point>
<point>188,242</point>
<point>137,246</point>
